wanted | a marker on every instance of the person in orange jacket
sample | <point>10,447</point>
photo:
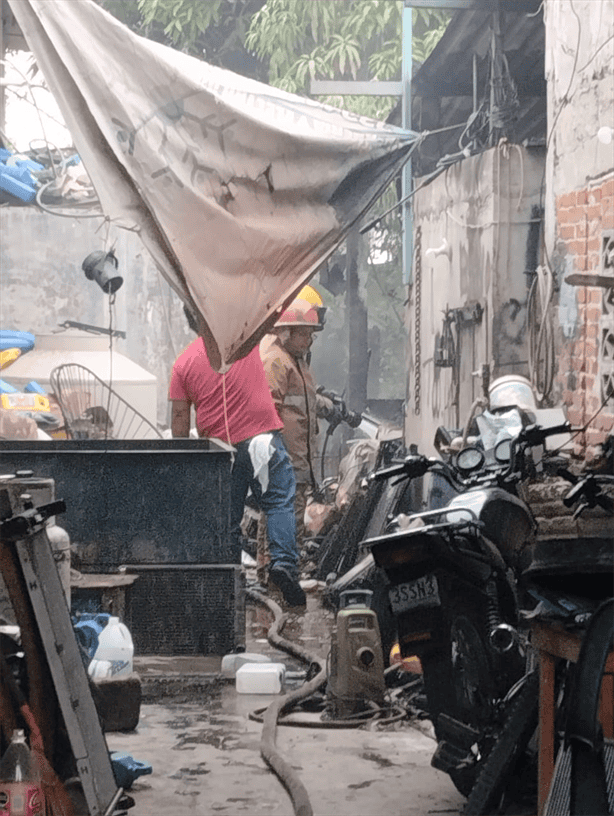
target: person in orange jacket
<point>284,355</point>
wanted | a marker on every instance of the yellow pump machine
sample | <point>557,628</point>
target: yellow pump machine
<point>356,672</point>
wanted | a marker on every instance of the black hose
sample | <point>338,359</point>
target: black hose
<point>397,712</point>
<point>279,620</point>
<point>268,750</point>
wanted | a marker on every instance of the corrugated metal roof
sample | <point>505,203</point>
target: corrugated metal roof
<point>443,86</point>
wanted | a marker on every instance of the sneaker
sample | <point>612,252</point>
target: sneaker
<point>293,595</point>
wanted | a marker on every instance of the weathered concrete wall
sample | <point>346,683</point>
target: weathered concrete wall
<point>42,285</point>
<point>486,208</point>
<point>580,210</point>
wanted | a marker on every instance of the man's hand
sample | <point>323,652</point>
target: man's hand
<point>180,418</point>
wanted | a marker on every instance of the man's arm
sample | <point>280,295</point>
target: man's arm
<point>180,417</point>
<point>277,378</point>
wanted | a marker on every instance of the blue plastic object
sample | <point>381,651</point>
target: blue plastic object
<point>15,187</point>
<point>9,338</point>
<point>16,176</point>
<point>7,388</point>
<point>19,172</point>
<point>23,162</point>
<point>126,769</point>
<point>34,388</point>
<point>88,629</point>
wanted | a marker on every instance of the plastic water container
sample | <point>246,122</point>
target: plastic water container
<point>115,647</point>
<point>88,629</point>
<point>260,678</point>
<point>231,663</point>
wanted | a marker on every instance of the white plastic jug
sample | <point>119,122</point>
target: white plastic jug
<point>113,657</point>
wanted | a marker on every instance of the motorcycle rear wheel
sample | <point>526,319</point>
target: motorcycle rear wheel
<point>520,724</point>
<point>463,680</point>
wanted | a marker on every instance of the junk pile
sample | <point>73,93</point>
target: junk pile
<point>354,510</point>
<point>47,177</point>
<point>29,413</point>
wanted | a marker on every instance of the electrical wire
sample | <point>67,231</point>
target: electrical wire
<point>603,45</point>
<point>61,213</point>
<point>564,98</point>
<point>544,288</point>
<point>426,181</point>
<point>108,409</point>
<point>13,67</point>
<point>585,428</point>
<point>9,87</point>
<point>535,13</point>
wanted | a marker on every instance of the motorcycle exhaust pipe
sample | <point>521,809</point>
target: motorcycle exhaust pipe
<point>502,637</point>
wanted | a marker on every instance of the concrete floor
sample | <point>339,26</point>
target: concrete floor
<point>196,733</point>
<point>206,760</point>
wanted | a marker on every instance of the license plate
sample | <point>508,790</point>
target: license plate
<point>422,592</point>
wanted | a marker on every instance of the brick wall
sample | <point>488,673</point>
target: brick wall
<point>585,360</point>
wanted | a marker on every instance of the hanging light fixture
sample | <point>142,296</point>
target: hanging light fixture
<point>101,267</point>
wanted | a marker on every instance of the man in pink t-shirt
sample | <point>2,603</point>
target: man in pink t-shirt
<point>237,407</point>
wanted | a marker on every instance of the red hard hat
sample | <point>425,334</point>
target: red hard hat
<point>299,313</point>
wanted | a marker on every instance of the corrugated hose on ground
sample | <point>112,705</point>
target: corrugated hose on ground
<point>269,716</point>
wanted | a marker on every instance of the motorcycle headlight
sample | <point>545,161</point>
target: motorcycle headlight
<point>469,459</point>
<point>503,451</point>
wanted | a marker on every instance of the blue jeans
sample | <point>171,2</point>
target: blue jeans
<point>277,502</point>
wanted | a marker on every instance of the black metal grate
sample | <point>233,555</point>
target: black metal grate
<point>139,501</point>
<point>186,609</point>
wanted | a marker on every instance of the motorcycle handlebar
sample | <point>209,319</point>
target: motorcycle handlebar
<point>534,435</point>
<point>411,467</point>
<point>417,465</point>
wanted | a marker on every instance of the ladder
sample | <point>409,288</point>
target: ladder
<point>26,533</point>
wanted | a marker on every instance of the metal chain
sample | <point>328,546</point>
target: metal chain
<point>417,314</point>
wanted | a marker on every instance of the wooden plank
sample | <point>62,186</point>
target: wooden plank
<point>545,763</point>
<point>557,641</point>
<point>95,580</point>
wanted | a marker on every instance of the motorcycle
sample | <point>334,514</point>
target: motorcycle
<point>456,593</point>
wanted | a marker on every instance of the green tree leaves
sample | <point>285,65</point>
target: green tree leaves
<point>182,22</point>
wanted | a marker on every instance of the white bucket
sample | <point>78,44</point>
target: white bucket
<point>113,657</point>
<point>232,662</point>
<point>511,391</point>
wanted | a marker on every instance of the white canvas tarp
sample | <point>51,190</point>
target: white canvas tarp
<point>238,190</point>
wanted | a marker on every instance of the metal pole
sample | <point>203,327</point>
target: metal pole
<point>406,74</point>
<point>356,315</point>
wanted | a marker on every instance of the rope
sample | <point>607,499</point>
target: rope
<point>225,406</point>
